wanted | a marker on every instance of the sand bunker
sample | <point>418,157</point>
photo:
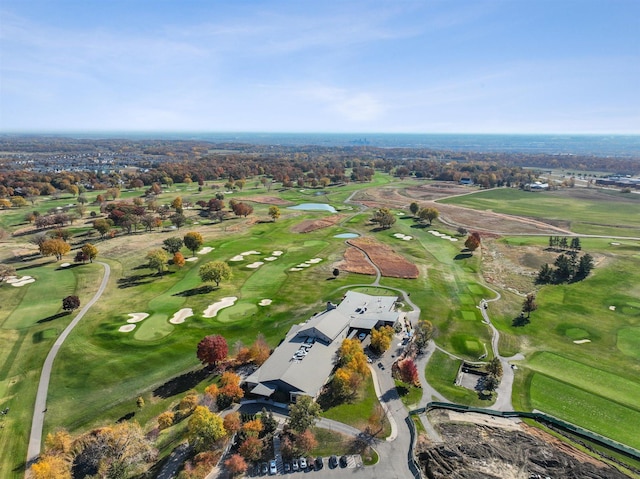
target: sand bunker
<point>612,308</point>
<point>247,253</point>
<point>238,257</point>
<point>296,269</point>
<point>265,302</point>
<point>582,341</point>
<point>614,244</point>
<point>213,309</point>
<point>255,265</point>
<point>453,239</point>
<point>277,253</point>
<point>403,236</point>
<point>407,238</point>
<point>127,328</point>
<point>205,250</point>
<point>137,317</point>
<point>313,260</point>
<point>192,259</point>
<point>181,315</point>
<point>65,265</point>
<point>435,233</point>
<point>19,282</point>
<point>271,258</point>
<point>303,265</point>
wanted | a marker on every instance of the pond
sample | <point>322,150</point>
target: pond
<point>314,207</point>
<point>347,235</point>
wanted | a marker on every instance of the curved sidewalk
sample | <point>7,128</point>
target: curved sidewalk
<point>35,439</point>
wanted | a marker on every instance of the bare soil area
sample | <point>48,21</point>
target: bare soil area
<point>307,226</point>
<point>390,263</point>
<point>474,449</point>
<point>268,200</point>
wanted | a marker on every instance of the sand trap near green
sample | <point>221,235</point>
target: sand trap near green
<point>205,250</point>
<point>213,309</point>
<point>238,312</point>
<point>154,328</point>
<point>265,302</point>
<point>137,317</point>
<point>19,282</point>
<point>180,316</point>
<point>127,328</point>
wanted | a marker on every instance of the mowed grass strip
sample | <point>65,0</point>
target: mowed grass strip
<point>629,342</point>
<point>584,409</point>
<point>596,381</point>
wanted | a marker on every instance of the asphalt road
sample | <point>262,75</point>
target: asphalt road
<point>35,439</point>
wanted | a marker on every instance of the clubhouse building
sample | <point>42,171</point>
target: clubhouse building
<point>304,360</point>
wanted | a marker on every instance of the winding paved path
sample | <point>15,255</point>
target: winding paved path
<point>35,439</point>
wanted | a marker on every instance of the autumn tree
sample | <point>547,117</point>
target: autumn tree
<point>235,464</point>
<point>172,245</point>
<point>215,271</point>
<point>472,242</point>
<point>305,442</point>
<point>70,303</point>
<point>232,422</point>
<point>58,443</point>
<point>165,420</point>
<point>251,448</point>
<point>259,351</point>
<point>103,226</point>
<point>193,240</point>
<point>176,204</point>
<point>529,305</point>
<point>212,349</point>
<point>408,371</point>
<point>51,467</point>
<point>274,212</point>
<point>178,220</point>
<point>230,390</point>
<point>205,428</point>
<point>384,218</point>
<point>428,214</point>
<point>55,247</point>
<point>89,251</point>
<point>157,259</point>
<point>178,260</point>
<point>253,428</point>
<point>303,414</point>
<point>381,338</point>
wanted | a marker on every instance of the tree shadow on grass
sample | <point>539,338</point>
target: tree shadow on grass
<point>54,316</point>
<point>135,280</point>
<point>195,291</point>
<point>520,321</point>
<point>183,383</point>
<point>126,417</point>
<point>460,256</point>
<point>420,225</point>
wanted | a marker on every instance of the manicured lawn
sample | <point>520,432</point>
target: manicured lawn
<point>409,394</point>
<point>582,408</point>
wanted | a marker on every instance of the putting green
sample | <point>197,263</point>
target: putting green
<point>467,345</point>
<point>238,312</point>
<point>466,299</point>
<point>153,328</point>
<point>476,289</point>
<point>577,333</point>
<point>469,315</point>
<point>629,342</point>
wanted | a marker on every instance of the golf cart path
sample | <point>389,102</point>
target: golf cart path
<point>35,438</point>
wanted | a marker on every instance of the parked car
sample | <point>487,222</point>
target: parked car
<point>343,461</point>
<point>333,462</point>
<point>273,469</point>
<point>287,467</point>
<point>319,463</point>
<point>361,336</point>
<point>264,468</point>
<point>381,366</point>
<point>303,463</point>
<point>294,465</point>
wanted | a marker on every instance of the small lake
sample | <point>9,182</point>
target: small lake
<point>347,235</point>
<point>314,207</point>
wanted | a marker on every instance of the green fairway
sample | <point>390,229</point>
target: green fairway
<point>153,328</point>
<point>598,212</point>
<point>582,408</point>
<point>629,342</point>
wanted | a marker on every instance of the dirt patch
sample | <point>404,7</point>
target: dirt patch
<point>480,450</point>
<point>268,200</point>
<point>390,263</point>
<point>312,225</point>
<point>355,262</point>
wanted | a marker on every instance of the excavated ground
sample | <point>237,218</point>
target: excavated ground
<point>485,448</point>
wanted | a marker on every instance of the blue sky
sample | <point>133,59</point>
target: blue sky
<point>452,66</point>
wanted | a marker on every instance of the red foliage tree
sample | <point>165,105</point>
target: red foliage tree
<point>408,371</point>
<point>212,349</point>
<point>473,241</point>
<point>235,464</point>
<point>252,448</point>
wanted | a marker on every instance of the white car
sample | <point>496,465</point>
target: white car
<point>361,336</point>
<point>303,463</point>
<point>273,469</point>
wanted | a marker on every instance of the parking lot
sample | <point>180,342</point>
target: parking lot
<point>329,469</point>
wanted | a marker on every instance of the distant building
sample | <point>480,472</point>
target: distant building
<point>303,362</point>
<point>536,186</point>
<point>466,181</point>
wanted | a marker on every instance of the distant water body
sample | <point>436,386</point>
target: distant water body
<point>598,145</point>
